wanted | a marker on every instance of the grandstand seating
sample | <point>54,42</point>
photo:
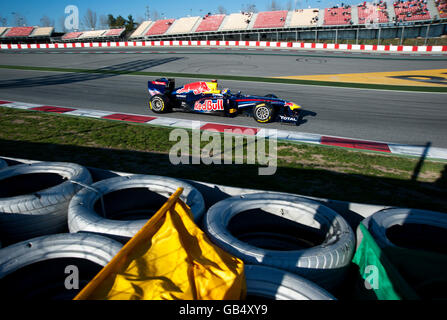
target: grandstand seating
<point>91,34</point>
<point>304,17</point>
<point>210,23</point>
<point>71,35</point>
<point>237,21</point>
<point>160,27</point>
<point>442,8</point>
<point>3,30</point>
<point>114,32</point>
<point>270,19</point>
<point>42,32</point>
<point>373,13</point>
<point>140,31</point>
<point>412,10</point>
<point>183,25</point>
<point>337,16</point>
<point>19,32</point>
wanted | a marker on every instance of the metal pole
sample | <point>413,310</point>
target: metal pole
<point>378,37</point>
<point>336,35</point>
<point>357,36</point>
<point>426,35</point>
<point>402,35</point>
<point>316,35</point>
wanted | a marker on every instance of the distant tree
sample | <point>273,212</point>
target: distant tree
<point>221,10</point>
<point>62,24</point>
<point>111,21</point>
<point>45,21</point>
<point>19,19</point>
<point>3,21</point>
<point>120,22</point>
<point>90,20</point>
<point>274,6</point>
<point>289,6</point>
<point>103,21</point>
<point>140,20</point>
<point>155,15</point>
<point>130,25</point>
<point>249,7</point>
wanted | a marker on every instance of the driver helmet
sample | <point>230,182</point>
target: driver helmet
<point>226,91</point>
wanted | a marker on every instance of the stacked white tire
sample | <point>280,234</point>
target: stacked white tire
<point>325,264</point>
<point>82,216</point>
<point>43,212</point>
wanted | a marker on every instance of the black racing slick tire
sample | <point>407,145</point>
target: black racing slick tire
<point>40,268</point>
<point>270,95</point>
<point>275,284</point>
<point>34,198</point>
<point>159,104</point>
<point>284,231</point>
<point>263,112</point>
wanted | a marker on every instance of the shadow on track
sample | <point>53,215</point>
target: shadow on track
<point>94,74</point>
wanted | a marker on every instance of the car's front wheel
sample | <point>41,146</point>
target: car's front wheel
<point>263,112</point>
<point>159,104</point>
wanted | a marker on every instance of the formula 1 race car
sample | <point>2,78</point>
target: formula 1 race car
<point>204,97</point>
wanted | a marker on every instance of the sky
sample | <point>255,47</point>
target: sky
<point>33,11</point>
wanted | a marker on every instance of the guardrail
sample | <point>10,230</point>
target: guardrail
<point>230,44</point>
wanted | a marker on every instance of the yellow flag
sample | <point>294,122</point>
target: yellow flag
<point>170,258</point>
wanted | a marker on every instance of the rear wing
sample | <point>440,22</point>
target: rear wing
<point>161,86</point>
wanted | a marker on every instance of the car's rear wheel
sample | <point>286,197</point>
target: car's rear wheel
<point>263,112</point>
<point>271,95</point>
<point>159,104</point>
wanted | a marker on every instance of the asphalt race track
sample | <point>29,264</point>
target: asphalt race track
<point>390,116</point>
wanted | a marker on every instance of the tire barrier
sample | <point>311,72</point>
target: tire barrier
<point>275,284</point>
<point>34,198</point>
<point>101,209</point>
<point>290,233</point>
<point>3,164</point>
<point>40,268</point>
<point>414,242</point>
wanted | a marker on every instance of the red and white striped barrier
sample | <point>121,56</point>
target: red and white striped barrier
<point>292,136</point>
<point>232,44</point>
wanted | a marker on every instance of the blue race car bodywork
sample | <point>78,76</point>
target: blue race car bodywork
<point>204,97</point>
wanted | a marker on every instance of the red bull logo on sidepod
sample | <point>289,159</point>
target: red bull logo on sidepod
<point>196,87</point>
<point>209,105</point>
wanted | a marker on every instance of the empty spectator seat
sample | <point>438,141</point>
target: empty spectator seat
<point>373,13</point>
<point>114,32</point>
<point>237,21</point>
<point>140,31</point>
<point>442,8</point>
<point>183,25</point>
<point>210,23</point>
<point>71,35</point>
<point>304,17</point>
<point>91,34</point>
<point>42,32</point>
<point>19,32</point>
<point>412,10</point>
<point>160,27</point>
<point>270,19</point>
<point>337,16</point>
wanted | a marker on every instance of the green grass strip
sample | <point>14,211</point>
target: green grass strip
<point>234,78</point>
<point>313,170</point>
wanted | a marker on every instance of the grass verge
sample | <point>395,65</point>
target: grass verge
<point>232,77</point>
<point>319,171</point>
